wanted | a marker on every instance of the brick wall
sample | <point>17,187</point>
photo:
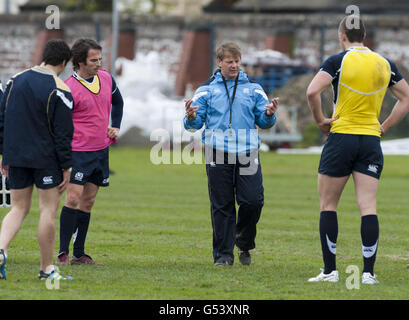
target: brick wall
<point>18,34</point>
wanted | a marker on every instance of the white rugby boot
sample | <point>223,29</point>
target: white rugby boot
<point>367,278</point>
<point>331,277</point>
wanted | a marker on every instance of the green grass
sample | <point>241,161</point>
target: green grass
<point>151,230</point>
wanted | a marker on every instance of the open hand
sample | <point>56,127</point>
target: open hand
<point>65,179</point>
<point>272,107</point>
<point>190,110</point>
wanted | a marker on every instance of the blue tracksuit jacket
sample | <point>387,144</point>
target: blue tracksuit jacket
<point>235,133</point>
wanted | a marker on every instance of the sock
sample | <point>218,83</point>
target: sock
<point>5,254</point>
<point>67,224</point>
<point>370,236</point>
<point>49,269</point>
<point>328,235</point>
<point>82,230</point>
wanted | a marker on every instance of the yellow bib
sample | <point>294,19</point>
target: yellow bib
<point>363,81</point>
<point>94,86</point>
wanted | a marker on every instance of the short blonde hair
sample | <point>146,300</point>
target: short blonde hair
<point>228,47</point>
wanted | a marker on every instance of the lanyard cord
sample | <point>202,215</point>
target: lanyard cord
<point>228,95</point>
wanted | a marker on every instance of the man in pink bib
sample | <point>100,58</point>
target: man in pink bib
<point>97,102</point>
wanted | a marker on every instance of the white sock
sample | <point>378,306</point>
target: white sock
<point>49,269</point>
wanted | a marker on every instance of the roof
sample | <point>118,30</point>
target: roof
<point>40,5</point>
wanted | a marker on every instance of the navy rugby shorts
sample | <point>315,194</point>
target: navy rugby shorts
<point>20,178</point>
<point>90,166</point>
<point>344,153</point>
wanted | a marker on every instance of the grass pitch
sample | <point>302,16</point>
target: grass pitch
<point>151,230</point>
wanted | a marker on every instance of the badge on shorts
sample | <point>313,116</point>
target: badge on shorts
<point>373,168</point>
<point>79,176</point>
<point>48,180</point>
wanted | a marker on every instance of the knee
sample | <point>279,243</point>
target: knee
<point>72,200</point>
<point>48,221</point>
<point>19,211</point>
<point>255,200</point>
<point>327,207</point>
<point>327,204</point>
<point>255,203</point>
<point>87,203</point>
<point>367,207</point>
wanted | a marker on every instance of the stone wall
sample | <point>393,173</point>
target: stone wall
<point>19,34</point>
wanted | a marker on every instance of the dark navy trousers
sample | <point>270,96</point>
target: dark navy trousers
<point>230,182</point>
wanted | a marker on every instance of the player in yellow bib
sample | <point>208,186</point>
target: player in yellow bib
<point>360,78</point>
<point>364,77</point>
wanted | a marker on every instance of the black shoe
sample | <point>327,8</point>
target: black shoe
<point>224,261</point>
<point>244,257</point>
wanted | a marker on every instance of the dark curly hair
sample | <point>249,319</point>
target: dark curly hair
<point>80,51</point>
<point>56,51</point>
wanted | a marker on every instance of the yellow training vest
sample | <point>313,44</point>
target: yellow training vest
<point>363,80</point>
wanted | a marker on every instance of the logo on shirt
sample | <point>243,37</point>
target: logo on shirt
<point>246,90</point>
<point>66,101</point>
<point>79,176</point>
<point>199,95</point>
<point>48,180</point>
<point>261,92</point>
<point>373,168</point>
<point>105,181</point>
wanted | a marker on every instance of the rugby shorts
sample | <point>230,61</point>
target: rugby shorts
<point>344,153</point>
<point>90,166</point>
<point>20,177</point>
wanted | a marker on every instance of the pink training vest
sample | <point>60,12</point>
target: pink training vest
<point>91,114</point>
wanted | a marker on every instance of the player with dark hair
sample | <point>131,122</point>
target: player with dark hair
<point>35,140</point>
<point>94,91</point>
<point>360,78</point>
<point>80,51</point>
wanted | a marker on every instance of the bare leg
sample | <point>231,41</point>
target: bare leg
<point>48,200</point>
<point>21,200</point>
<point>73,196</point>
<point>88,196</point>
<point>330,190</point>
<point>366,188</point>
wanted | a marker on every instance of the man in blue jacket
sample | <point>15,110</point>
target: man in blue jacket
<point>231,107</point>
<point>35,142</point>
